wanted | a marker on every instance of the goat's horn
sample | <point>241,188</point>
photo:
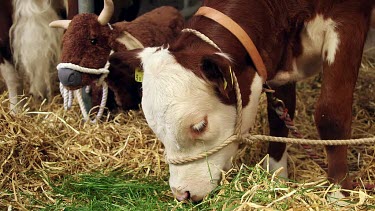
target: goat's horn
<point>106,13</point>
<point>60,24</point>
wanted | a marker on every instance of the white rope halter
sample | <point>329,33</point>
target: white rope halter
<point>81,69</point>
<point>202,37</point>
<point>68,96</point>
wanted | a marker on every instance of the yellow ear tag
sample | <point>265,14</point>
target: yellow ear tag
<point>138,74</point>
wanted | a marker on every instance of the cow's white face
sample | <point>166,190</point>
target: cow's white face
<point>188,117</point>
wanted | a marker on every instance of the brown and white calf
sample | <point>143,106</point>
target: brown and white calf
<point>89,40</point>
<point>28,45</point>
<point>191,110</point>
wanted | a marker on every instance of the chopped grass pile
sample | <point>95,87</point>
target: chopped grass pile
<point>109,192</point>
<point>242,188</point>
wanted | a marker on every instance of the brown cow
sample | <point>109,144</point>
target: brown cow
<point>189,102</point>
<point>89,40</point>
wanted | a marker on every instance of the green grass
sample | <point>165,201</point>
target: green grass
<point>118,191</point>
<point>248,187</point>
<point>115,191</point>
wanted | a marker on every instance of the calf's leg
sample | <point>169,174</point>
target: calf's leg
<point>333,114</point>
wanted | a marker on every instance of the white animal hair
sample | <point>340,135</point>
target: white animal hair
<point>35,46</point>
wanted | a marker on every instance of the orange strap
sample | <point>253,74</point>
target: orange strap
<point>238,32</point>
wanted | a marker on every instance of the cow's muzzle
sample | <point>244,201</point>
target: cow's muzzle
<point>69,77</point>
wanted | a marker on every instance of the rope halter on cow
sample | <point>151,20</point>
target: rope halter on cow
<point>247,138</point>
<point>67,94</point>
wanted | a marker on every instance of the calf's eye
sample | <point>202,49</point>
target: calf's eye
<point>93,41</point>
<point>199,127</point>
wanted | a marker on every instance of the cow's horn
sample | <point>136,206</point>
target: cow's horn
<point>60,24</point>
<point>106,13</point>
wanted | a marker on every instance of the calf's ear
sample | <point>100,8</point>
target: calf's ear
<point>216,69</point>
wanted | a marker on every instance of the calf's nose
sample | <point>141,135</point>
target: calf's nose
<point>181,195</point>
<point>69,77</point>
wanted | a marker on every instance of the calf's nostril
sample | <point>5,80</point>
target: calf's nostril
<point>187,193</point>
<point>71,78</point>
<point>183,196</point>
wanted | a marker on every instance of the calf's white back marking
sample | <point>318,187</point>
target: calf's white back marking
<point>320,42</point>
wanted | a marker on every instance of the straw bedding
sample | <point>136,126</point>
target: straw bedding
<point>44,143</point>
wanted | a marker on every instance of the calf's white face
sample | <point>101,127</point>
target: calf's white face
<point>188,117</point>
